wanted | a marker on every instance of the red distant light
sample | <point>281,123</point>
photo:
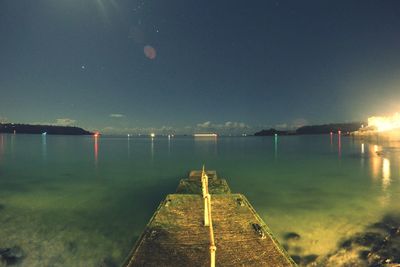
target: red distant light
<point>339,132</point>
<point>96,134</point>
<point>331,133</point>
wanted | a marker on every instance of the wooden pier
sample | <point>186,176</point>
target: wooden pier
<point>177,236</point>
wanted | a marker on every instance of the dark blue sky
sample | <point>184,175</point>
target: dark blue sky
<point>226,65</point>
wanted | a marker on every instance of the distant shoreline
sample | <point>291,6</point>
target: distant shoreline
<point>345,128</point>
<point>16,128</point>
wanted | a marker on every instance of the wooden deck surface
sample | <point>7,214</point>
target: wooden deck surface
<point>176,236</point>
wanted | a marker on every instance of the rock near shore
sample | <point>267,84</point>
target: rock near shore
<point>11,256</point>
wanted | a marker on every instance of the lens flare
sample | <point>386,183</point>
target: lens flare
<point>149,52</point>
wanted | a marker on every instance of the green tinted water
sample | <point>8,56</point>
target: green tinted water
<point>75,201</point>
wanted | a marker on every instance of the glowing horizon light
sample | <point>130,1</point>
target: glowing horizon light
<point>205,135</point>
<point>152,135</point>
<point>96,134</point>
<point>385,123</point>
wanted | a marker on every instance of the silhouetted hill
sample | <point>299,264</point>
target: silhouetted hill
<point>315,129</point>
<point>271,132</point>
<point>39,129</point>
<point>327,128</point>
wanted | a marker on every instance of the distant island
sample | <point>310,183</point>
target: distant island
<point>315,129</point>
<point>272,131</point>
<point>40,129</point>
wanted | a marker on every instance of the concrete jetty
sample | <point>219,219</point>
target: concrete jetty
<point>177,236</point>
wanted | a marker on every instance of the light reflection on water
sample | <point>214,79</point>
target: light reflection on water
<point>307,189</point>
<point>1,146</point>
<point>385,174</point>
<point>96,150</point>
<point>376,162</point>
<point>152,148</point>
<point>44,147</point>
<point>129,146</point>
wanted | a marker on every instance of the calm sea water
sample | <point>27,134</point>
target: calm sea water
<point>75,201</point>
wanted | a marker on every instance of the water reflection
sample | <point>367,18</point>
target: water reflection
<point>152,148</point>
<point>380,166</point>
<point>1,145</point>
<point>169,144</point>
<point>276,146</point>
<point>207,143</point>
<point>129,145</point>
<point>96,150</point>
<point>362,155</point>
<point>12,144</point>
<point>386,173</point>
<point>44,146</point>
<point>375,161</point>
<point>339,144</point>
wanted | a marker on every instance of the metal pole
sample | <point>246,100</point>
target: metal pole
<point>212,255</point>
<point>213,248</point>
<point>206,211</point>
<point>207,215</point>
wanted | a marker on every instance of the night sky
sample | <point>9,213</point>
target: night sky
<point>231,66</point>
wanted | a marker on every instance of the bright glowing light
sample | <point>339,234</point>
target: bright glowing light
<point>97,134</point>
<point>205,135</point>
<point>152,135</point>
<point>387,123</point>
<point>362,149</point>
